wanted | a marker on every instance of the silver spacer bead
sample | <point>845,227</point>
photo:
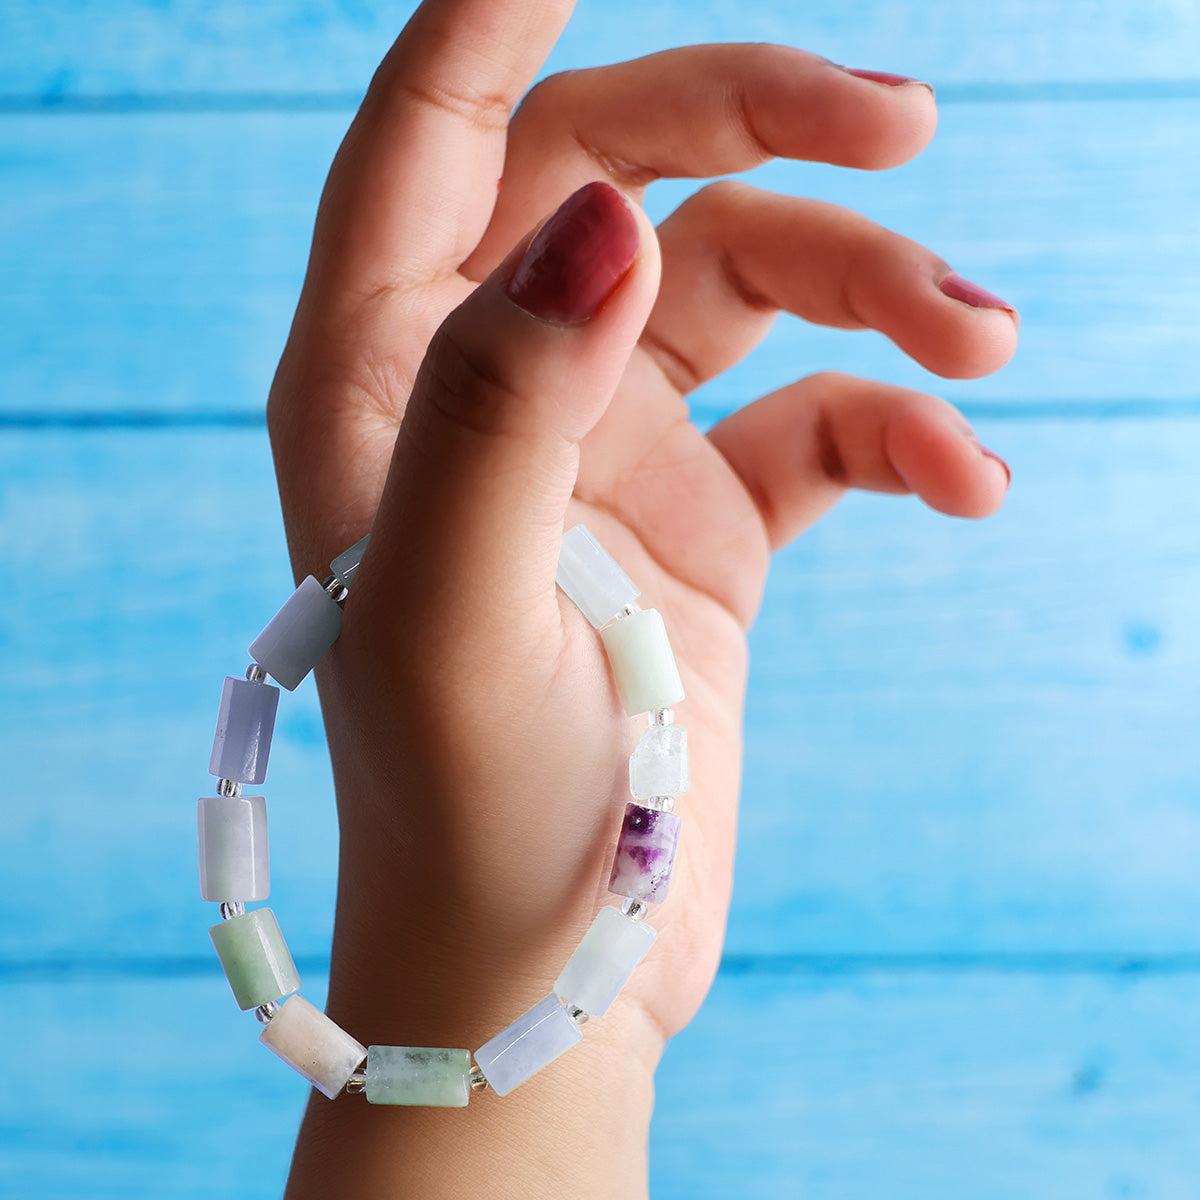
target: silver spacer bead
<point>336,588</point>
<point>255,673</point>
<point>577,1015</point>
<point>662,716</point>
<point>635,910</point>
<point>478,1079</point>
<point>356,1084</point>
<point>628,611</point>
<point>232,908</point>
<point>662,803</point>
<point>266,1012</point>
<point>228,787</point>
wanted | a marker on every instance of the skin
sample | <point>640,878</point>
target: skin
<point>478,746</point>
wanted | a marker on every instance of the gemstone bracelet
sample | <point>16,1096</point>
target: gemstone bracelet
<point>234,868</point>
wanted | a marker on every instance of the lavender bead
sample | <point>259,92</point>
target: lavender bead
<point>645,854</point>
<point>245,725</point>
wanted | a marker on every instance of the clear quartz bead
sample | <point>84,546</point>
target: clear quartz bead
<point>659,764</point>
<point>591,579</point>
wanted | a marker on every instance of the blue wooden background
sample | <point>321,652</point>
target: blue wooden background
<point>964,953</point>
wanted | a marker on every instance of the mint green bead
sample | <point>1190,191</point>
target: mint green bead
<point>418,1075</point>
<point>256,959</point>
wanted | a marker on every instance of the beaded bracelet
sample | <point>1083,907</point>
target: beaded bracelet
<point>234,867</point>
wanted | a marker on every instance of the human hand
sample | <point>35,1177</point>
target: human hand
<point>465,405</point>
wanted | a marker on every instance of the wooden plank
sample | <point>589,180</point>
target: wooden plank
<point>912,1086</point>
<point>962,738</point>
<point>150,263</point>
<point>56,50</point>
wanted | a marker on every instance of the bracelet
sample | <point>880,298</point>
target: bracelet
<point>235,870</point>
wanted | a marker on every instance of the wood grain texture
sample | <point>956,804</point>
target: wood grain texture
<point>962,738</point>
<point>57,50</point>
<point>917,1086</point>
<point>166,283</point>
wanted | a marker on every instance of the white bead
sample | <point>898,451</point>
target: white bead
<point>234,862</point>
<point>642,661</point>
<point>659,764</point>
<point>298,635</point>
<point>591,579</point>
<point>309,1042</point>
<point>604,961</point>
<point>534,1039</point>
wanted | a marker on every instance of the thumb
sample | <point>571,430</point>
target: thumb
<point>487,454</point>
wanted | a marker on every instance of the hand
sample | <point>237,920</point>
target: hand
<point>465,401</point>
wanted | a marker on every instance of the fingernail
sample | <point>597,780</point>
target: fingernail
<point>996,458</point>
<point>577,258</point>
<point>958,288</point>
<point>888,77</point>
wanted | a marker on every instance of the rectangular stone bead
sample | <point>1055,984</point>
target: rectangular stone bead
<point>245,725</point>
<point>604,961</point>
<point>310,1043</point>
<point>591,579</point>
<point>298,635</point>
<point>345,566</point>
<point>642,661</point>
<point>256,959</point>
<point>659,764</point>
<point>533,1040</point>
<point>234,861</point>
<point>645,854</point>
<point>418,1075</point>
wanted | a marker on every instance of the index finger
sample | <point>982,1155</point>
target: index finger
<point>414,183</point>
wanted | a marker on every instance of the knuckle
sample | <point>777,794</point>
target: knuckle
<point>468,385</point>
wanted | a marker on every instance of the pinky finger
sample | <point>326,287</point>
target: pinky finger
<point>798,450</point>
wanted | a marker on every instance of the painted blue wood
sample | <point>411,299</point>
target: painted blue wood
<point>150,263</point>
<point>63,49</point>
<point>962,738</point>
<point>913,1085</point>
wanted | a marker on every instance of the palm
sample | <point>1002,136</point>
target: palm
<point>493,705</point>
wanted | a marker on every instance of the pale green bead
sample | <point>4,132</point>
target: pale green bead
<point>418,1075</point>
<point>256,959</point>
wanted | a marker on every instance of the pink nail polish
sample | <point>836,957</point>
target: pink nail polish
<point>996,458</point>
<point>577,258</point>
<point>888,77</point>
<point>958,288</point>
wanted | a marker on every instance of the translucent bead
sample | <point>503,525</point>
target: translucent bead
<point>642,662</point>
<point>533,1040</point>
<point>310,1043</point>
<point>234,862</point>
<point>256,958</point>
<point>418,1075</point>
<point>298,635</point>
<point>604,961</point>
<point>645,854</point>
<point>591,579</point>
<point>345,566</point>
<point>245,725</point>
<point>659,764</point>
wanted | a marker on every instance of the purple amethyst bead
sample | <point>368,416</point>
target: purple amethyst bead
<point>645,854</point>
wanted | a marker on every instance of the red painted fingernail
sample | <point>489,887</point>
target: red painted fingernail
<point>577,258</point>
<point>996,458</point>
<point>958,288</point>
<point>888,77</point>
